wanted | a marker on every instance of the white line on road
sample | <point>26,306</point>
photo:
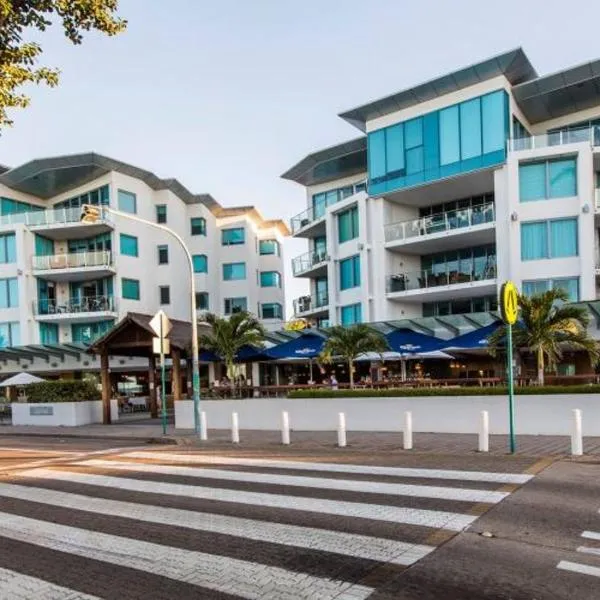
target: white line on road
<point>245,579</point>
<point>360,546</point>
<point>591,535</point>
<point>364,487</point>
<point>411,516</point>
<point>566,565</point>
<point>336,467</point>
<point>588,550</point>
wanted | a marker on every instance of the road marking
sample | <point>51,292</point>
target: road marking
<point>588,550</point>
<point>220,573</point>
<point>566,565</point>
<point>368,487</point>
<point>337,468</point>
<point>410,516</point>
<point>591,535</point>
<point>359,546</point>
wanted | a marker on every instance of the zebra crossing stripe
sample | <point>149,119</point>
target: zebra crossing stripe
<point>591,535</point>
<point>359,546</point>
<point>243,578</point>
<point>566,565</point>
<point>588,550</point>
<point>15,585</point>
<point>370,487</point>
<point>410,516</point>
<point>480,476</point>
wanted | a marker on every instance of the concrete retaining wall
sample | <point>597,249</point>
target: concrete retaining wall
<point>68,414</point>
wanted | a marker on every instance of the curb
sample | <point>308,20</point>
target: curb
<point>74,436</point>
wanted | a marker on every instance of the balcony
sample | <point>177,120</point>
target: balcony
<point>76,266</point>
<point>444,230</point>
<point>311,305</point>
<point>311,264</point>
<point>423,285</point>
<point>590,135</point>
<point>60,223</point>
<point>308,218</point>
<point>83,310</point>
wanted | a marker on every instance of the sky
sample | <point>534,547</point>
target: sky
<point>226,95</point>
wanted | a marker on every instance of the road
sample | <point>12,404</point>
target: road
<point>82,520</point>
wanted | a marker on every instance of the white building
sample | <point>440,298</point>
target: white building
<point>67,282</point>
<point>454,186</point>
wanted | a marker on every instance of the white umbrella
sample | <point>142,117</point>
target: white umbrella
<point>21,379</point>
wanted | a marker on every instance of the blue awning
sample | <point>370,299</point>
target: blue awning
<point>245,354</point>
<point>473,340</point>
<point>407,341</point>
<point>304,346</point>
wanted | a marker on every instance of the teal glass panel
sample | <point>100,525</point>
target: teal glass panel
<point>130,289</point>
<point>272,310</point>
<point>161,213</point>
<point>235,305</point>
<point>127,202</point>
<point>413,133</point>
<point>534,240</point>
<point>431,145</point>
<point>88,332</point>
<point>350,272</point>
<point>351,314</point>
<point>270,279</point>
<point>348,225</point>
<point>449,135</point>
<point>201,300</point>
<point>200,262</point>
<point>8,249</point>
<point>414,160</point>
<point>394,149</point>
<point>49,333</point>
<point>569,285</point>
<point>268,247</point>
<point>233,237</point>
<point>128,245</point>
<point>376,153</point>
<point>9,293</point>
<point>163,254</point>
<point>198,226</point>
<point>494,119</point>
<point>10,334</point>
<point>320,245</point>
<point>233,271</point>
<point>562,178</point>
<point>43,246</point>
<point>319,202</point>
<point>470,129</point>
<point>532,182</point>
<point>563,238</point>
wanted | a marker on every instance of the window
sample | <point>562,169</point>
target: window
<point>49,333</point>
<point>351,314</point>
<point>233,237</point>
<point>233,271</point>
<point>270,279</point>
<point>89,332</point>
<point>127,202</point>
<point>198,226</point>
<point>128,245</point>
<point>539,286</point>
<point>8,250</point>
<point>272,310</point>
<point>161,213</point>
<point>164,292</point>
<point>201,300</point>
<point>130,289</point>
<point>235,305</point>
<point>43,246</point>
<point>10,334</point>
<point>548,179</point>
<point>348,225</point>
<point>9,293</point>
<point>163,254</point>
<point>350,272</point>
<point>268,247</point>
<point>549,239</point>
<point>98,243</point>
<point>200,263</point>
<point>97,197</point>
<point>458,307</point>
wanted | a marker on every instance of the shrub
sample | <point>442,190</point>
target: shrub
<point>66,390</point>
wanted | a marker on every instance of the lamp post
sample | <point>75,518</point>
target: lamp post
<point>92,214</point>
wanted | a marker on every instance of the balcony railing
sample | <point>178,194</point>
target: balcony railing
<point>307,261</point>
<point>86,304</point>
<point>556,138</point>
<point>305,304</point>
<point>58,216</point>
<point>72,260</point>
<point>441,222</point>
<point>419,280</point>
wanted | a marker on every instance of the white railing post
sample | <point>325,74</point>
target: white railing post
<point>576,434</point>
<point>484,432</point>
<point>342,430</point>
<point>408,431</point>
<point>203,427</point>
<point>235,429</point>
<point>285,428</point>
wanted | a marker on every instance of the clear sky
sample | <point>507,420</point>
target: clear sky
<point>225,95</point>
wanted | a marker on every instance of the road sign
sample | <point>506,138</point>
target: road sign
<point>160,324</point>
<point>509,302</point>
<point>162,349</point>
<point>162,327</point>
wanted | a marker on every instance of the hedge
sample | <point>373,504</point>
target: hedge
<point>66,390</point>
<point>449,391</point>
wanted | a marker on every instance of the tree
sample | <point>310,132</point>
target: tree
<point>18,58</point>
<point>228,335</point>
<point>350,342</point>
<point>547,326</point>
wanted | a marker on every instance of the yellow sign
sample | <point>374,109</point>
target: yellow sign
<point>296,325</point>
<point>509,302</point>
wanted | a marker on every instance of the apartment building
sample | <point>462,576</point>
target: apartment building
<point>484,174</point>
<point>67,282</point>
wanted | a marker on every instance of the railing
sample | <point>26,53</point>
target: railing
<point>51,216</point>
<point>419,280</point>
<point>307,261</point>
<point>441,222</point>
<point>72,260</point>
<point>556,138</point>
<point>307,303</point>
<point>87,304</point>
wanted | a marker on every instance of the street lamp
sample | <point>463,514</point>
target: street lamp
<point>92,214</point>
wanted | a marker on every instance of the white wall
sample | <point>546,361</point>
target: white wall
<point>67,414</point>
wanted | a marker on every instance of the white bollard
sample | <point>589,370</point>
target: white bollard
<point>235,428</point>
<point>285,428</point>
<point>342,430</point>
<point>203,428</point>
<point>408,431</point>
<point>484,432</point>
<point>576,435</point>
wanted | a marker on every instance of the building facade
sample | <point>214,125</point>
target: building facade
<point>485,174</point>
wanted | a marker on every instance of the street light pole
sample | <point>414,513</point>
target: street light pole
<point>93,211</point>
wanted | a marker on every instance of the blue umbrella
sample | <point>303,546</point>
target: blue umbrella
<point>407,341</point>
<point>304,346</point>
<point>473,340</point>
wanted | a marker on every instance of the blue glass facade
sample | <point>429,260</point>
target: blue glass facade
<point>351,314</point>
<point>350,272</point>
<point>549,239</point>
<point>454,140</point>
<point>539,286</point>
<point>232,271</point>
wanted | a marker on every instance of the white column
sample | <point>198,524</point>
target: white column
<point>203,427</point>
<point>342,430</point>
<point>576,435</point>
<point>484,432</point>
<point>408,430</point>
<point>285,428</point>
<point>235,428</point>
<point>211,373</point>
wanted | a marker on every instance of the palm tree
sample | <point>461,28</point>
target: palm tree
<point>351,342</point>
<point>547,326</point>
<point>228,335</point>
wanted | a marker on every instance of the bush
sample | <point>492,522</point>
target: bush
<point>66,390</point>
<point>449,391</point>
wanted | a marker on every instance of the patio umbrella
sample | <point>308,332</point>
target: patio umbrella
<point>413,345</point>
<point>21,379</point>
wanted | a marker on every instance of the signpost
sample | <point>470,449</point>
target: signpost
<point>162,327</point>
<point>509,310</point>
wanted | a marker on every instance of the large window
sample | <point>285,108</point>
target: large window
<point>549,239</point>
<point>9,293</point>
<point>49,333</point>
<point>8,250</point>
<point>200,262</point>
<point>127,202</point>
<point>270,279</point>
<point>128,245</point>
<point>163,254</point>
<point>10,334</point>
<point>460,306</point>
<point>235,305</point>
<point>130,289</point>
<point>98,243</point>
<point>164,294</point>
<point>88,332</point>
<point>272,310</point>
<point>539,286</point>
<point>322,200</point>
<point>97,197</point>
<point>198,226</point>
<point>351,314</point>
<point>233,237</point>
<point>234,271</point>
<point>348,225</point>
<point>161,213</point>
<point>43,246</point>
<point>459,266</point>
<point>201,300</point>
<point>548,179</point>
<point>350,272</point>
<point>268,247</point>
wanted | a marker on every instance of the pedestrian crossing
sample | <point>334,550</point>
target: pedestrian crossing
<point>206,526</point>
<point>589,553</point>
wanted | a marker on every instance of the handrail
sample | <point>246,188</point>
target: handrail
<point>51,216</point>
<point>307,261</point>
<point>85,304</point>
<point>419,280</point>
<point>307,303</point>
<point>72,260</point>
